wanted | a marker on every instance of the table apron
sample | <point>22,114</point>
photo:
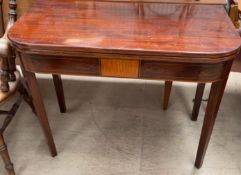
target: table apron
<point>122,68</point>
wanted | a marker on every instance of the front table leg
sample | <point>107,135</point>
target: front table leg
<point>214,101</point>
<point>40,110</point>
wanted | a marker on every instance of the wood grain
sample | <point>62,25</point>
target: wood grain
<point>119,68</point>
<point>199,72</point>
<point>127,29</point>
<point>58,64</point>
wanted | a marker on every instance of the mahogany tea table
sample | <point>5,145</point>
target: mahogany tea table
<point>171,42</point>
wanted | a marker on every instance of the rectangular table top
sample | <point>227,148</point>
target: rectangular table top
<point>126,28</point>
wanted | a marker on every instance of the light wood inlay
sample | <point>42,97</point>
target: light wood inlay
<point>119,68</point>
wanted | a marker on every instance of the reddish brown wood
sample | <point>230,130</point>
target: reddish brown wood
<point>82,65</point>
<point>59,92</point>
<point>122,28</point>
<point>197,101</point>
<point>171,42</point>
<point>214,101</point>
<point>167,93</point>
<point>5,156</point>
<point>40,110</point>
<point>202,72</point>
<point>232,11</point>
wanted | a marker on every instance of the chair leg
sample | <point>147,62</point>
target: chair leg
<point>5,156</point>
<point>167,92</point>
<point>59,92</point>
<point>197,101</point>
<point>11,114</point>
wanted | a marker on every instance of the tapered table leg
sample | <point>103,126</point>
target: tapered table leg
<point>40,110</point>
<point>197,101</point>
<point>59,92</point>
<point>5,156</point>
<point>214,101</point>
<point>167,92</point>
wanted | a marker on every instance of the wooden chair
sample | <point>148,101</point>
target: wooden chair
<point>11,83</point>
<point>14,87</point>
<point>232,10</point>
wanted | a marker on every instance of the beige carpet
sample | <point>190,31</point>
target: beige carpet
<point>118,127</point>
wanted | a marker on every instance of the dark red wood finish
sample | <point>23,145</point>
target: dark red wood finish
<point>59,92</point>
<point>127,29</point>
<point>197,101</point>
<point>167,41</point>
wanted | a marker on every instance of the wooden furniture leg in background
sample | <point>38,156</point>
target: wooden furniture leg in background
<point>40,110</point>
<point>1,19</point>
<point>167,92</point>
<point>59,92</point>
<point>197,101</point>
<point>5,156</point>
<point>214,101</point>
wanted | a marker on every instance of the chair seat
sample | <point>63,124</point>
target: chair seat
<point>13,87</point>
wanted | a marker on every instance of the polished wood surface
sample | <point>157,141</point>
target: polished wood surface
<point>24,5</point>
<point>168,42</point>
<point>128,29</point>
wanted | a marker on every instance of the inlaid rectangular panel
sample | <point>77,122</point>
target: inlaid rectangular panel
<point>119,68</point>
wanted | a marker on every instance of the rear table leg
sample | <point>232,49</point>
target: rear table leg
<point>167,92</point>
<point>197,101</point>
<point>59,92</point>
<point>40,110</point>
